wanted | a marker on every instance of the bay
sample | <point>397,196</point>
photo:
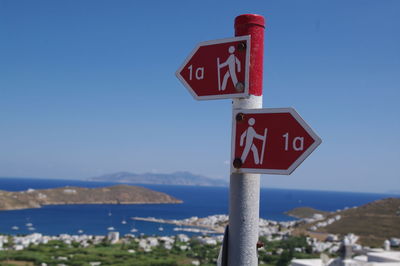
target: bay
<point>197,201</point>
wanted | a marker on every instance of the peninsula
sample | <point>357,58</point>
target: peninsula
<point>119,194</point>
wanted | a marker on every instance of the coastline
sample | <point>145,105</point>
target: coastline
<point>212,228</point>
<point>92,203</point>
<point>197,201</point>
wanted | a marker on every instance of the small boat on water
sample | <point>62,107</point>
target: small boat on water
<point>31,228</point>
<point>123,222</point>
<point>29,224</point>
<point>133,229</point>
<point>111,228</point>
<point>80,231</point>
<point>160,228</point>
<point>15,227</point>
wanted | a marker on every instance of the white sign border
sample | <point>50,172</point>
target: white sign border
<point>243,94</point>
<point>300,120</point>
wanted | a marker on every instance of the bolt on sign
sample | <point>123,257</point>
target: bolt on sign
<point>270,141</point>
<point>217,69</point>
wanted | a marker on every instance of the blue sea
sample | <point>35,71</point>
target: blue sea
<point>198,201</point>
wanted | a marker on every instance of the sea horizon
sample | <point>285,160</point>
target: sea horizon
<point>393,193</point>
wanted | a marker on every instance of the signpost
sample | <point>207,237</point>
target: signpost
<point>217,69</point>
<point>270,141</point>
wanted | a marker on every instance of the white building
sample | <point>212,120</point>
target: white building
<point>383,258</point>
<point>113,237</point>
<point>182,238</point>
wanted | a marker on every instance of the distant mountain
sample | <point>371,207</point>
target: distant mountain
<point>393,192</point>
<point>178,178</point>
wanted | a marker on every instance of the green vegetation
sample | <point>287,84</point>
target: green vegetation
<point>56,252</point>
<point>282,252</point>
<point>129,253</point>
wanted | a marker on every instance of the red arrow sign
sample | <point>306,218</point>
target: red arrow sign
<point>217,69</point>
<point>270,141</point>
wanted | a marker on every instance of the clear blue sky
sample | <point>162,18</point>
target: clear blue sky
<point>88,88</point>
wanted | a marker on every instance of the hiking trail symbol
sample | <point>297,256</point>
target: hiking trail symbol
<point>288,143</point>
<point>231,63</point>
<point>218,69</point>
<point>247,138</point>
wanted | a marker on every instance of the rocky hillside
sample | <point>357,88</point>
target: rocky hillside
<point>373,222</point>
<point>120,194</point>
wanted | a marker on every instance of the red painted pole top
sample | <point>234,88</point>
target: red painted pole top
<point>245,19</point>
<point>253,25</point>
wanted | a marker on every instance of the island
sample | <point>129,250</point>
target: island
<point>119,194</point>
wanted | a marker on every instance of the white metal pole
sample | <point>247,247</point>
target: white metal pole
<point>244,190</point>
<point>244,206</point>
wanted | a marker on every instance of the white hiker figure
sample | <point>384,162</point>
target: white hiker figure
<point>249,134</point>
<point>231,62</point>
